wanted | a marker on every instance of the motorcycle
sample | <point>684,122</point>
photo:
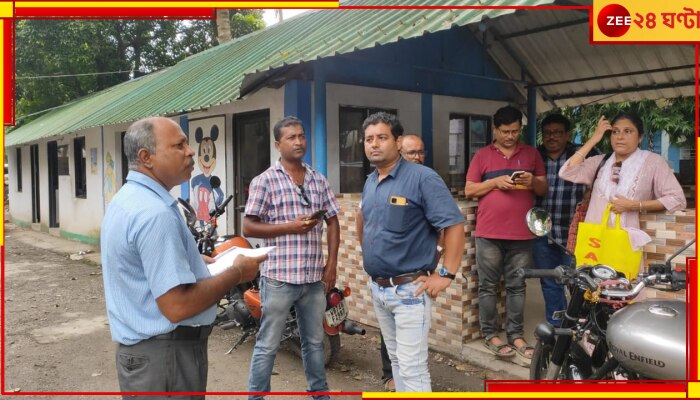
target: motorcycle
<point>241,306</point>
<point>605,334</point>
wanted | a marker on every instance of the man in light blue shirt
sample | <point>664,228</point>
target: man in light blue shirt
<point>161,299</point>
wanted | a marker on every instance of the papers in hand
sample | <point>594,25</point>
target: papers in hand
<point>225,260</point>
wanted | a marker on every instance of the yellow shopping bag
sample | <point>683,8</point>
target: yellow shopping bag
<point>602,244</point>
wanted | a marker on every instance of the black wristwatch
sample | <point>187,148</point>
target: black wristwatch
<point>443,272</point>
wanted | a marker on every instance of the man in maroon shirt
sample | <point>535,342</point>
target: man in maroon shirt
<point>505,176</point>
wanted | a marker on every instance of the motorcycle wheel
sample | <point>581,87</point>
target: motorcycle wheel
<point>576,366</point>
<point>331,348</point>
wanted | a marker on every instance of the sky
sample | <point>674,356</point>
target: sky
<point>270,19</point>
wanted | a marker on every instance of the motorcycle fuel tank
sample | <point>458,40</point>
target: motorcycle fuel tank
<point>649,338</point>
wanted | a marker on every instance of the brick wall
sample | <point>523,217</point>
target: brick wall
<point>669,232</point>
<point>455,311</point>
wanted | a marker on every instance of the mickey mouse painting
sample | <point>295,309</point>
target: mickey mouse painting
<point>204,197</point>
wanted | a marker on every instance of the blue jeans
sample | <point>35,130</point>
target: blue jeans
<point>310,303</point>
<point>496,258</point>
<point>404,320</point>
<point>549,256</point>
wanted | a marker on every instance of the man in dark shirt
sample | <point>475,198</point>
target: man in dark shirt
<point>404,206</point>
<point>560,200</point>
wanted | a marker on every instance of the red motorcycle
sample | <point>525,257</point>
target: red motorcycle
<point>241,306</point>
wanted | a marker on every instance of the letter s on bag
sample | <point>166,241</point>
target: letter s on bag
<point>594,242</point>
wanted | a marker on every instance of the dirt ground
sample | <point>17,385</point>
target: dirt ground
<point>57,337</point>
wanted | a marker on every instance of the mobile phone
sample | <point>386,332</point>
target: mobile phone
<point>318,214</point>
<point>515,175</point>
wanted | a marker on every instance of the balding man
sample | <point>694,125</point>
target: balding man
<point>412,148</point>
<point>160,297</point>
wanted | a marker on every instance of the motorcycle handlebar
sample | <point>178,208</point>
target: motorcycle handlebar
<point>555,273</point>
<point>675,278</point>
<point>225,203</point>
<point>560,275</point>
<point>222,208</point>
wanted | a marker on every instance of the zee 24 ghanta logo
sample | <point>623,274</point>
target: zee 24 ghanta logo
<point>614,20</point>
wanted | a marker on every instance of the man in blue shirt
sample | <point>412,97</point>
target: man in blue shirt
<point>404,206</point>
<point>160,297</point>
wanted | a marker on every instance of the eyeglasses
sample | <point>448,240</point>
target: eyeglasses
<point>414,153</point>
<point>304,200</point>
<point>514,132</point>
<point>626,133</point>
<point>558,133</point>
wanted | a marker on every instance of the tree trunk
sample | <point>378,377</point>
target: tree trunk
<point>223,26</point>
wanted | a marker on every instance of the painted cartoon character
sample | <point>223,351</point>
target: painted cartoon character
<point>204,196</point>
<point>110,178</point>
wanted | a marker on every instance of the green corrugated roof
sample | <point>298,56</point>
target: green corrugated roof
<point>214,76</point>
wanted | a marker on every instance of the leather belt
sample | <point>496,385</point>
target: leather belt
<point>400,279</point>
<point>186,333</point>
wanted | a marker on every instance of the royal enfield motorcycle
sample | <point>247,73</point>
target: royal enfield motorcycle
<point>241,306</point>
<point>605,334</point>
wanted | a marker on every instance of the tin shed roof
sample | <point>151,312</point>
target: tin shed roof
<point>548,48</point>
<point>214,76</point>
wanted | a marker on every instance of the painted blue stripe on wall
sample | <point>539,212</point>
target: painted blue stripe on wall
<point>320,150</point>
<point>297,102</point>
<point>185,187</point>
<point>426,109</point>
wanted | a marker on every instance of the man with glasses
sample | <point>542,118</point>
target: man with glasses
<point>413,148</point>
<point>561,200</point>
<point>505,176</point>
<point>279,210</point>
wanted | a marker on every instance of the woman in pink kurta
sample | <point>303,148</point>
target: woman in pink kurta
<point>631,180</point>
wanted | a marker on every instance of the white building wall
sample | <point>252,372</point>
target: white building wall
<point>407,105</point>
<point>78,216</point>
<point>113,148</point>
<point>83,216</point>
<point>20,202</point>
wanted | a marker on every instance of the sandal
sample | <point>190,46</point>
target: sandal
<point>523,350</point>
<point>495,349</point>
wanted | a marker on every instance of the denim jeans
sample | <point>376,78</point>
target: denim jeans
<point>496,258</point>
<point>276,300</point>
<point>404,320</point>
<point>549,256</point>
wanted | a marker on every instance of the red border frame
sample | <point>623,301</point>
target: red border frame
<point>207,13</point>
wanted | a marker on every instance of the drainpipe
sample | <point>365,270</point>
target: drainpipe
<point>532,115</point>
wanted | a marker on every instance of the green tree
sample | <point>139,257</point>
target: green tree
<point>57,61</point>
<point>675,116</point>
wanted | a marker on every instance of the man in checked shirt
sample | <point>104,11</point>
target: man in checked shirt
<point>561,199</point>
<point>279,210</point>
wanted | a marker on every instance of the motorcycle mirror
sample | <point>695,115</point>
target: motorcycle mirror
<point>215,182</point>
<point>679,251</point>
<point>539,221</point>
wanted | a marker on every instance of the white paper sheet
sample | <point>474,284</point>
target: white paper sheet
<point>225,259</point>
